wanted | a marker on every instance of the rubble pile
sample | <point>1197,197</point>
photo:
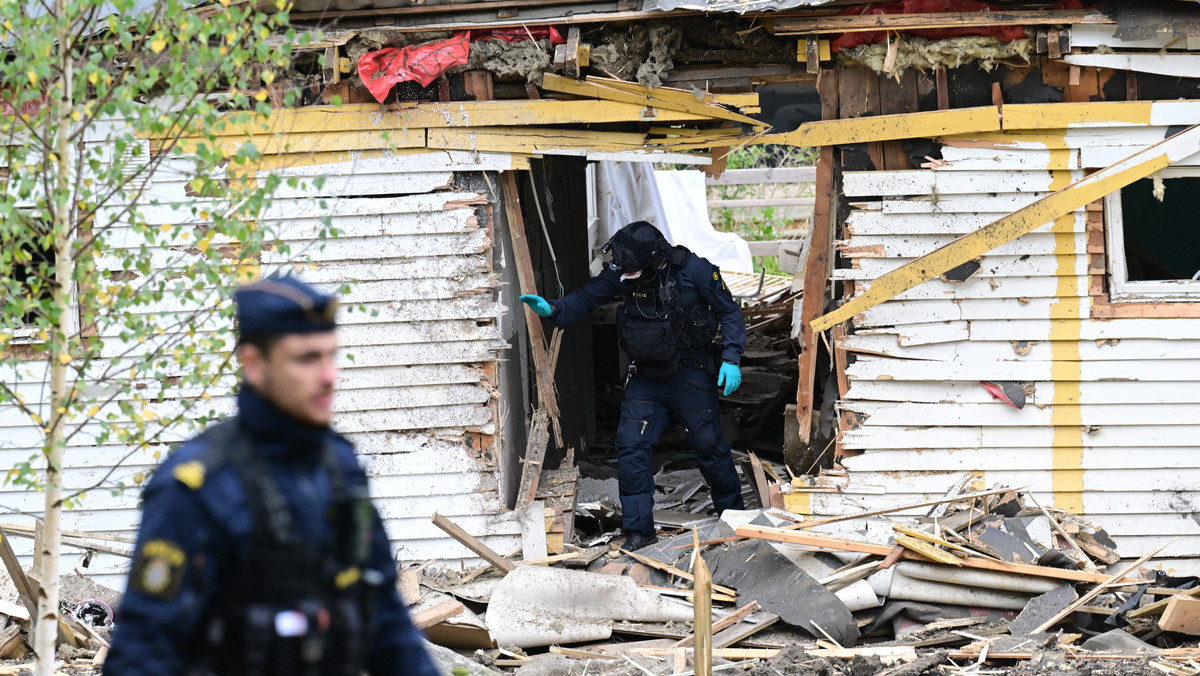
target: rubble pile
<point>85,625</point>
<point>982,582</point>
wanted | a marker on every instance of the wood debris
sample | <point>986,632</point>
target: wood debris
<point>961,599</point>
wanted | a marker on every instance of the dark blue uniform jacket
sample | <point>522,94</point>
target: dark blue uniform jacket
<point>699,282</point>
<point>211,523</point>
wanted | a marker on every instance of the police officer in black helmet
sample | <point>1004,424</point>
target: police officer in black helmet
<point>675,302</point>
<point>260,553</point>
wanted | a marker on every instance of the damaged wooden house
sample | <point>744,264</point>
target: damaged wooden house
<point>998,285</point>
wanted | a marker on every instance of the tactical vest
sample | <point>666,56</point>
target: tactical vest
<point>293,607</point>
<point>657,330</point>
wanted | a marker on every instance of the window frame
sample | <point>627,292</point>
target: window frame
<point>1120,288</point>
<point>27,334</point>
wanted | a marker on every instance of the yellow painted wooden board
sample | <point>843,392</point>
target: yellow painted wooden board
<point>926,549</point>
<point>1063,115</point>
<point>316,142</point>
<point>362,117</point>
<point>930,124</point>
<point>532,139</point>
<point>1007,228</point>
<point>641,96</point>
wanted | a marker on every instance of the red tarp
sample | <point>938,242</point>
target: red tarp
<point>382,69</point>
<point>850,40</point>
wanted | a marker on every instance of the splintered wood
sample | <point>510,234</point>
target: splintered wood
<point>702,627</point>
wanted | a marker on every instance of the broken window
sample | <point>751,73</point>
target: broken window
<point>31,281</point>
<point>1152,227</point>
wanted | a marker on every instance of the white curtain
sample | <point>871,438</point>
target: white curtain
<point>673,201</point>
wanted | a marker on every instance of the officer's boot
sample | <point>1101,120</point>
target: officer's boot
<point>636,541</point>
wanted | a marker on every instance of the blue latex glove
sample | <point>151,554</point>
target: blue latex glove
<point>541,307</point>
<point>730,377</point>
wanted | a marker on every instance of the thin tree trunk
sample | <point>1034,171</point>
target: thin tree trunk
<point>64,228</point>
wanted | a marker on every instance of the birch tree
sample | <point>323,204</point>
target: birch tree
<point>112,297</point>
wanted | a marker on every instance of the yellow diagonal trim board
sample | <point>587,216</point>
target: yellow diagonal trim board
<point>930,124</point>
<point>646,97</point>
<point>1007,228</point>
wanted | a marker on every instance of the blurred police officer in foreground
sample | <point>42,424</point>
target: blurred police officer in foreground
<point>260,553</point>
<point>674,303</point>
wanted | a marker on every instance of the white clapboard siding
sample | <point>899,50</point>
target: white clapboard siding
<point>987,203</point>
<point>1041,243</point>
<point>419,333</point>
<point>1023,350</point>
<point>1118,399</point>
<point>927,182</point>
<point>865,222</point>
<point>1038,393</point>
<point>1094,35</point>
<point>990,287</point>
<point>995,266</point>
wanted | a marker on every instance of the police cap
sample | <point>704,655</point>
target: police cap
<point>282,305</point>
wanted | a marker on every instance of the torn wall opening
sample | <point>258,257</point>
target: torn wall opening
<point>564,241</point>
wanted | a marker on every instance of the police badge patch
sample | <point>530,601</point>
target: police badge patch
<point>158,570</point>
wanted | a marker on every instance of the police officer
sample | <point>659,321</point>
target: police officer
<point>674,303</point>
<point>260,553</point>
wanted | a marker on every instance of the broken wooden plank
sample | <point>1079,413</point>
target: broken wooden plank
<point>837,544</point>
<point>893,510</point>
<point>580,654</point>
<point>672,570</point>
<point>929,124</point>
<point>922,535</point>
<point>925,21</point>
<point>470,542</point>
<point>742,631</point>
<point>1099,589</point>
<point>702,657</point>
<point>721,624</point>
<point>530,140</point>
<point>1159,606</point>
<point>636,94</point>
<point>13,565</point>
<point>535,455</point>
<point>547,395</point>
<point>723,653</point>
<point>927,550</point>
<point>1083,557</point>
<point>818,264</point>
<point>760,481</point>
<point>439,613</point>
<point>1182,615</point>
<point>1024,220</point>
<point>688,593</point>
<point>27,592</point>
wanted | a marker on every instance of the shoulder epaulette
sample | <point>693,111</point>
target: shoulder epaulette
<point>218,439</point>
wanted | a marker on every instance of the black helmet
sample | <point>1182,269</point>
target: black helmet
<point>637,246</point>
